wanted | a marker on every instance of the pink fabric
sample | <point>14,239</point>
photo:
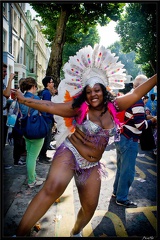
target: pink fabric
<point>82,112</point>
<point>84,109</point>
<point>113,111</point>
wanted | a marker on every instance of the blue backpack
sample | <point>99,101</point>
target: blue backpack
<point>34,125</point>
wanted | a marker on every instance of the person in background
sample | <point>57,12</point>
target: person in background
<point>154,127</point>
<point>33,146</point>
<point>127,148</point>
<point>46,94</point>
<point>6,95</point>
<point>152,104</point>
<point>152,111</point>
<point>88,113</point>
<point>147,142</point>
<point>145,100</point>
<point>19,146</point>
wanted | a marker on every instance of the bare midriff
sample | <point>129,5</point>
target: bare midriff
<point>86,147</point>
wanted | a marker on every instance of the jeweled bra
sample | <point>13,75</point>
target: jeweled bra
<point>95,131</point>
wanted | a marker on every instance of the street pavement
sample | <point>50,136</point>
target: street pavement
<point>109,220</point>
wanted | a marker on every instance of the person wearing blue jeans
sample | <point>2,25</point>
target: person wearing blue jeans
<point>127,148</point>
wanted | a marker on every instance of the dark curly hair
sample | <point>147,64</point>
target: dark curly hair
<point>107,96</point>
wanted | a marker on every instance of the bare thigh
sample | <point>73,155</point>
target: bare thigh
<point>60,174</point>
<point>90,190</point>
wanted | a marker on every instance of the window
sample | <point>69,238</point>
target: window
<point>5,9</point>
<point>21,56</point>
<point>18,25</point>
<point>15,21</point>
<point>4,40</point>
<point>15,50</point>
<point>22,31</point>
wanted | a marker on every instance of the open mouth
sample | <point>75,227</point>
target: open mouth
<point>94,100</point>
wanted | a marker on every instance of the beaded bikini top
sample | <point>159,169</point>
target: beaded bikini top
<point>95,131</point>
<point>90,128</point>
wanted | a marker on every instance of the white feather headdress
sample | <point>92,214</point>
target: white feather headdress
<point>88,67</point>
<point>96,63</point>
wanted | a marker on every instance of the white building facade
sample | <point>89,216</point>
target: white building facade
<point>41,54</point>
<point>24,46</point>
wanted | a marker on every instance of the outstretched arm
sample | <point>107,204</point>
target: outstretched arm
<point>128,99</point>
<point>60,109</point>
<point>7,91</point>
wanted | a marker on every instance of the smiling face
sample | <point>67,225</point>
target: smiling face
<point>94,95</point>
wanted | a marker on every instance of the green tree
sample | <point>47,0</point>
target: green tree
<point>63,21</point>
<point>70,49</point>
<point>137,28</point>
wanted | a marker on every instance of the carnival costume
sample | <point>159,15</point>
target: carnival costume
<point>88,67</point>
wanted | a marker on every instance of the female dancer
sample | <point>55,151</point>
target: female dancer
<point>91,111</point>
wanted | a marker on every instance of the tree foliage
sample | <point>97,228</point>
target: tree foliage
<point>137,28</point>
<point>128,59</point>
<point>69,23</point>
<point>70,49</point>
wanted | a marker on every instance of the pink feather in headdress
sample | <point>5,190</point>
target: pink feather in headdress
<point>84,109</point>
<point>82,112</point>
<point>113,111</point>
